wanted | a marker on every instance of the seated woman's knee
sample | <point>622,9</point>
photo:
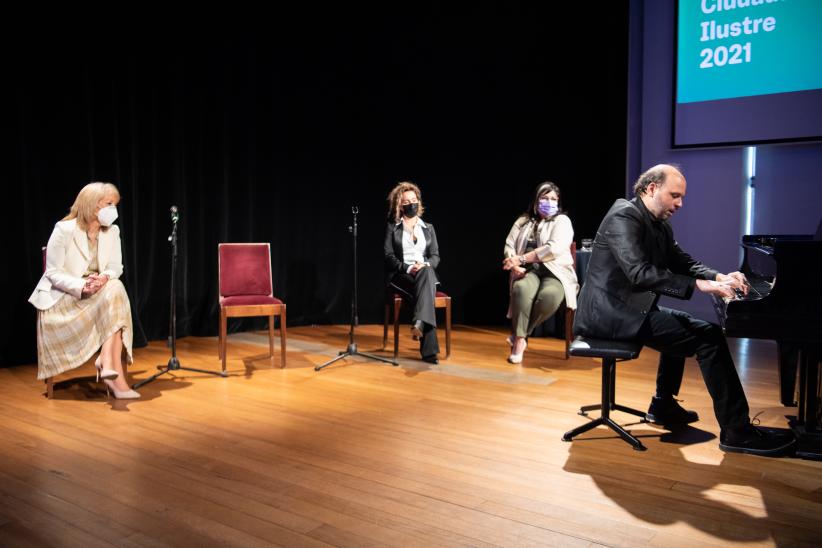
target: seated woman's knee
<point>115,282</point>
<point>425,275</point>
<point>520,290</point>
<point>113,286</point>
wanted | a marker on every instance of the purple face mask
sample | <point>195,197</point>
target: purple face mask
<point>548,208</point>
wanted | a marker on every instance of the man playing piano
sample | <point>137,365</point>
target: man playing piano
<point>635,259</point>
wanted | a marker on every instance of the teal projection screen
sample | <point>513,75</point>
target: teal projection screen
<point>748,71</point>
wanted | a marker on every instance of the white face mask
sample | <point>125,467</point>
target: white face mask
<point>107,215</point>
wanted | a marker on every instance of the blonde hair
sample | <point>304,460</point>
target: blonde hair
<point>84,208</point>
<point>395,199</point>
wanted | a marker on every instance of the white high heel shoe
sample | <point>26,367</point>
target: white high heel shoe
<point>517,358</point>
<point>121,394</point>
<point>104,373</point>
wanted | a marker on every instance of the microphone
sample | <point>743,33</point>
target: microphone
<point>175,214</point>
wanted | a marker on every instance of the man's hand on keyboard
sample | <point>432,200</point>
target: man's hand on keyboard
<point>720,289</point>
<point>737,282</point>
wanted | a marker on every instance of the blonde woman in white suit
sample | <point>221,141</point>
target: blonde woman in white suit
<point>82,305</point>
<point>538,258</point>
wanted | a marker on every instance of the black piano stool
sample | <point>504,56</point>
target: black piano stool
<point>610,352</point>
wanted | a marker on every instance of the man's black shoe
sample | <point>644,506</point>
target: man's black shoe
<point>668,412</point>
<point>431,359</point>
<point>755,440</point>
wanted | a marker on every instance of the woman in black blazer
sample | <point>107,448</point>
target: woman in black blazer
<point>411,257</point>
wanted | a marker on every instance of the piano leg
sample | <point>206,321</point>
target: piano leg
<point>808,424</point>
<point>812,418</point>
<point>788,361</point>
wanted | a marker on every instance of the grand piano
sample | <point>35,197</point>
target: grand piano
<point>784,304</point>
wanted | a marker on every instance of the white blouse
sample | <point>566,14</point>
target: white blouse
<point>413,252</point>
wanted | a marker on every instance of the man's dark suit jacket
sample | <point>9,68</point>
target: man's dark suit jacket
<point>393,249</point>
<point>635,259</point>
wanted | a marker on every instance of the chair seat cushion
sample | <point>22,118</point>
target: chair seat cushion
<point>248,300</point>
<point>604,348</point>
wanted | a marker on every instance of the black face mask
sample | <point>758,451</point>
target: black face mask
<point>410,210</point>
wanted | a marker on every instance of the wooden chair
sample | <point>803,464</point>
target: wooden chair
<point>244,272</point>
<point>393,302</point>
<point>50,380</point>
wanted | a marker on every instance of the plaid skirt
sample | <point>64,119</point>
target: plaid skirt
<point>72,331</point>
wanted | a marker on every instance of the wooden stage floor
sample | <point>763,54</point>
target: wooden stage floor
<point>464,453</point>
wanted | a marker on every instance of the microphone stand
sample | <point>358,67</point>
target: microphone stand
<point>351,350</point>
<point>174,363</point>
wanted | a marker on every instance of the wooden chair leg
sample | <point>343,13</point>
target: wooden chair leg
<point>569,331</point>
<point>447,327</point>
<point>386,316</point>
<point>397,306</point>
<point>49,387</point>
<point>223,329</point>
<point>282,336</point>
<point>220,336</point>
<point>271,339</point>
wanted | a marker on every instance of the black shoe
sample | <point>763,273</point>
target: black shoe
<point>754,440</point>
<point>431,359</point>
<point>416,330</point>
<point>668,412</point>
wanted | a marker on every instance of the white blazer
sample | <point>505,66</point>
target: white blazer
<point>68,257</point>
<point>553,249</point>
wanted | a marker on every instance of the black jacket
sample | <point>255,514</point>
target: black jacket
<point>635,259</point>
<point>393,249</point>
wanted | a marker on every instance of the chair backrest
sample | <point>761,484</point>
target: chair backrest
<point>574,252</point>
<point>244,269</point>
<point>43,249</point>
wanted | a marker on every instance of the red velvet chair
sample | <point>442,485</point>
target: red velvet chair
<point>393,302</point>
<point>246,290</point>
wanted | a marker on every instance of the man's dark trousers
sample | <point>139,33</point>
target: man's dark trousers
<point>677,335</point>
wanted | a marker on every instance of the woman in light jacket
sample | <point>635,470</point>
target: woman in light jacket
<point>82,305</point>
<point>538,258</point>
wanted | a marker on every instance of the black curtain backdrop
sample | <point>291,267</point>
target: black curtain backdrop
<point>271,131</point>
